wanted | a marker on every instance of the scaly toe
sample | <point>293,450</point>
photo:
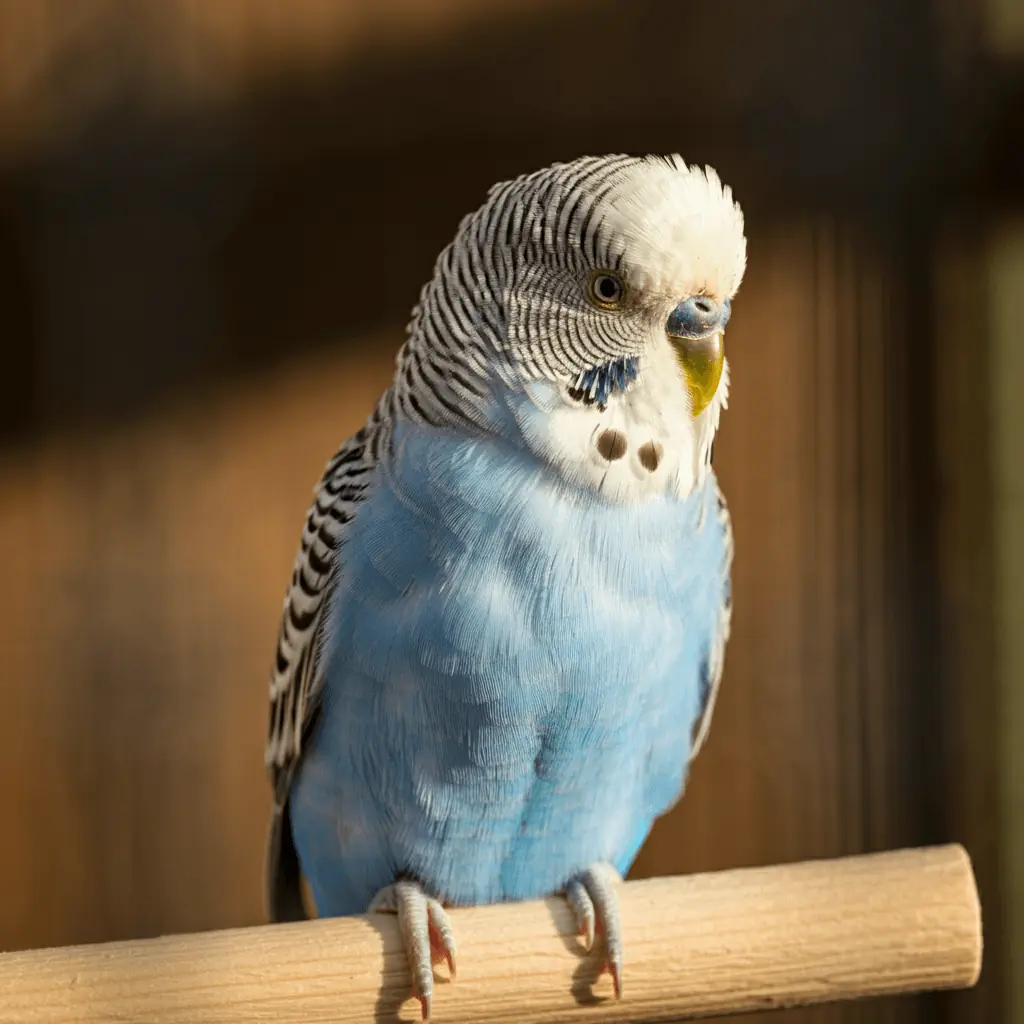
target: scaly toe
<point>582,910</point>
<point>442,940</point>
<point>426,935</point>
<point>596,908</point>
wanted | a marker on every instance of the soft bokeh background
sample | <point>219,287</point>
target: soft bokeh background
<point>215,216</point>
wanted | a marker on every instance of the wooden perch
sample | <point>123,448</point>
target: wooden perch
<point>721,943</point>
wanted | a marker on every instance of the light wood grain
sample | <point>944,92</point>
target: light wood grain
<point>754,938</point>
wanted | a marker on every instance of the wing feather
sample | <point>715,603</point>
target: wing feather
<point>716,659</point>
<point>296,682</point>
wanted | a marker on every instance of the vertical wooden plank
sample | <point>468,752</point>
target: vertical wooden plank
<point>1006,297</point>
<point>968,681</point>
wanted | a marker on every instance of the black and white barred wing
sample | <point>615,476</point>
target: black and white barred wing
<point>297,682</point>
<point>712,679</point>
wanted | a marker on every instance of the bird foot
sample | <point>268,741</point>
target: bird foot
<point>426,934</point>
<point>595,907</point>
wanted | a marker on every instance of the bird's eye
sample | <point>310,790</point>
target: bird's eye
<point>605,289</point>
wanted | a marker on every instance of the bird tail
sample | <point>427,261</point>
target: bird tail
<point>283,877</point>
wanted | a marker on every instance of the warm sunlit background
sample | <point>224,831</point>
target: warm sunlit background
<point>215,216</point>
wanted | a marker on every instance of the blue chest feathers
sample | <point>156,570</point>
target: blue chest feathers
<point>513,667</point>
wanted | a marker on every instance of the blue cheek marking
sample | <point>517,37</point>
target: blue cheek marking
<point>596,385</point>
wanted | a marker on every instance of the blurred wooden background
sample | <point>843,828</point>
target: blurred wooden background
<point>214,219</point>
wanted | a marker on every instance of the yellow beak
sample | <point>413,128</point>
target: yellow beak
<point>701,361</point>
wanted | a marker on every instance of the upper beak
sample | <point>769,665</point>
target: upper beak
<point>696,329</point>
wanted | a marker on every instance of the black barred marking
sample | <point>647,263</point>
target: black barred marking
<point>310,589</point>
<point>341,488</point>
<point>317,564</point>
<point>452,408</point>
<point>295,683</point>
<point>354,471</point>
<point>339,514</point>
<point>555,218</point>
<point>477,390</point>
<point>328,539</point>
<point>430,418</point>
<point>301,620</point>
<point>704,684</point>
<point>346,458</point>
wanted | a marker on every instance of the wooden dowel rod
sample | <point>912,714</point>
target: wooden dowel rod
<point>701,945</point>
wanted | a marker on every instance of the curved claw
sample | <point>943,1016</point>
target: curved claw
<point>582,910</point>
<point>596,908</point>
<point>442,939</point>
<point>426,934</point>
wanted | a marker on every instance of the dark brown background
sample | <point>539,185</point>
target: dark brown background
<point>214,219</point>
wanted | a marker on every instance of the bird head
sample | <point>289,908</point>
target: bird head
<point>583,308</point>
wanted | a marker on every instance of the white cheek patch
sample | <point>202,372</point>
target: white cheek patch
<point>641,444</point>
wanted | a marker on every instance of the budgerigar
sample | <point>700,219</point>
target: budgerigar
<point>506,624</point>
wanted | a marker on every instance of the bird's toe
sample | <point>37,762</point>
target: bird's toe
<point>426,934</point>
<point>595,906</point>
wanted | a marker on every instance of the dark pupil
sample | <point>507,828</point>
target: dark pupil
<point>607,288</point>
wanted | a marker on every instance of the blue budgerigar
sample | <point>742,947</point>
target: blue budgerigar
<point>506,624</point>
